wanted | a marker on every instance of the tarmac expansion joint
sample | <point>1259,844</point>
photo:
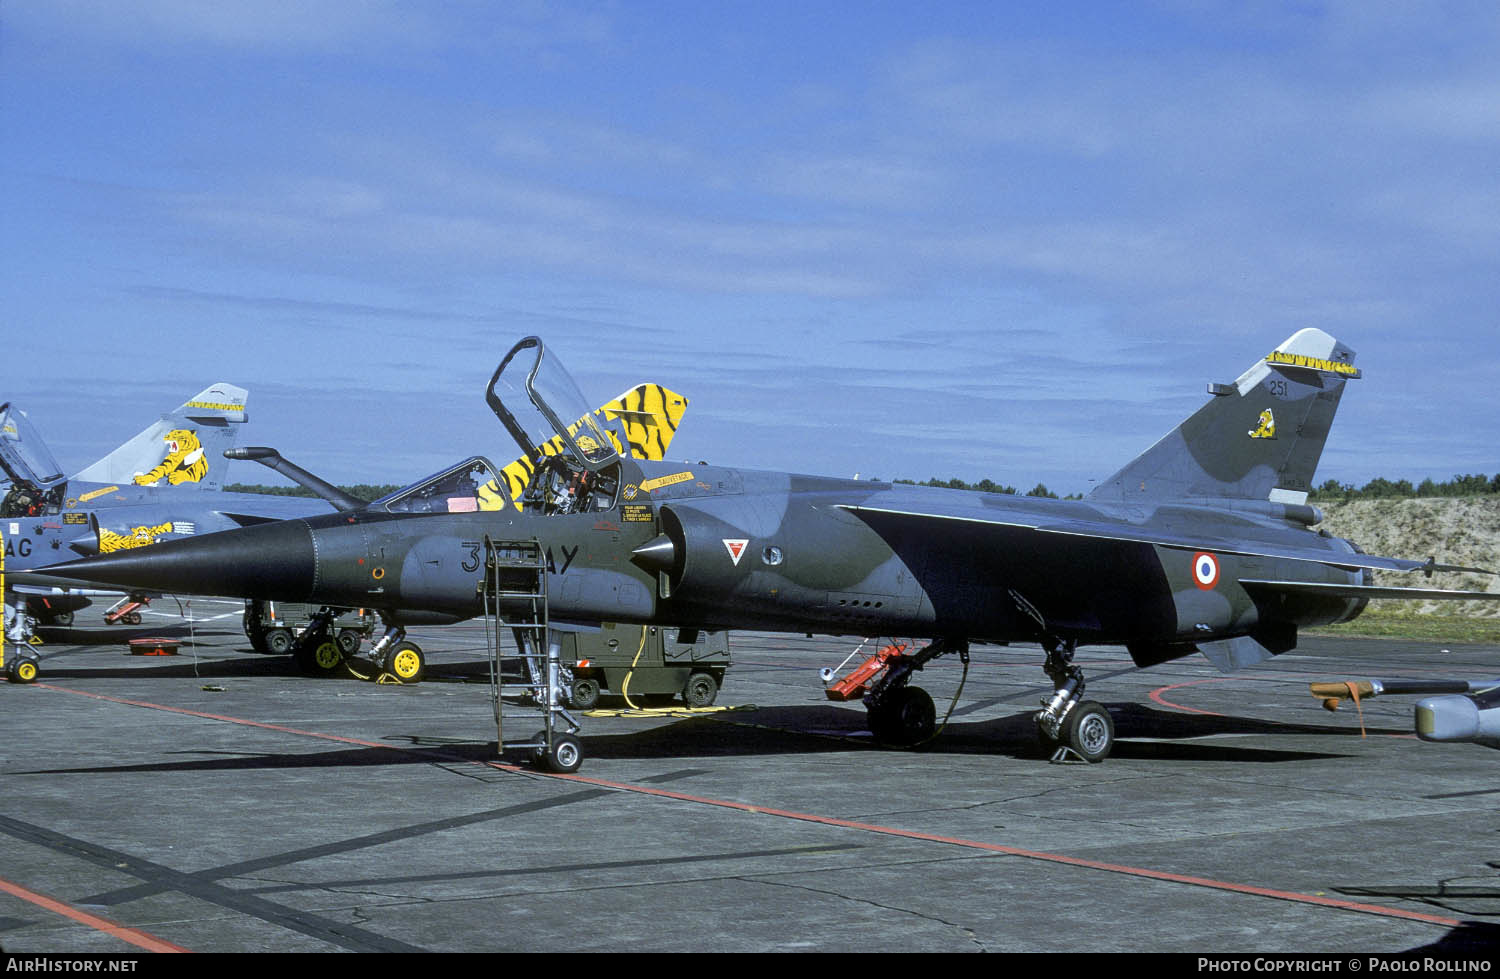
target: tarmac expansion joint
<point>967,932</point>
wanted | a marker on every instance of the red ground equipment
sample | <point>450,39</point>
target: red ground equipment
<point>857,683</point>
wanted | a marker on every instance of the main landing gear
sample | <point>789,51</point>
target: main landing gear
<point>1068,724</point>
<point>902,715</point>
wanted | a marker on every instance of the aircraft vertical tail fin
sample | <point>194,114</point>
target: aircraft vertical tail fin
<point>182,448</point>
<point>1258,438</point>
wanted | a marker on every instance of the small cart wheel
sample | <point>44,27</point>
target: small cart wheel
<point>700,690</point>
<point>565,755</point>
<point>585,694</point>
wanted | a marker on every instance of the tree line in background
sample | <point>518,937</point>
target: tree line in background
<point>363,491</point>
<point>1381,488</point>
<point>1378,488</point>
<point>989,486</point>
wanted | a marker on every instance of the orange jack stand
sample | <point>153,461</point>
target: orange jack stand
<point>154,647</point>
<point>126,611</point>
<point>858,682</point>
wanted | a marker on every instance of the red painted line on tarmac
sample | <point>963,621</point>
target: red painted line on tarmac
<point>134,936</point>
<point>1057,858</point>
<point>214,717</point>
<point>1148,874</point>
<point>1156,695</point>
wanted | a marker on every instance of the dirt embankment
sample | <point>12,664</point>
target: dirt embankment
<point>1461,530</point>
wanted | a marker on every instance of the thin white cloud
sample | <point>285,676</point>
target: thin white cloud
<point>359,27</point>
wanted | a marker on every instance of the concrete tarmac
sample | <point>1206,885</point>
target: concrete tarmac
<point>218,801</point>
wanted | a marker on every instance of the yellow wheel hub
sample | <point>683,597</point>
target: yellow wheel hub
<point>405,664</point>
<point>328,655</point>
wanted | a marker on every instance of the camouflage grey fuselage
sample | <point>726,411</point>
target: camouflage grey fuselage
<point>766,550</point>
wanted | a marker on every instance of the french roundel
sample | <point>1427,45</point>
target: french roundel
<point>1205,570</point>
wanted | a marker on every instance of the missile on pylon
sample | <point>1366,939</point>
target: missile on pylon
<point>1453,711</point>
<point>1473,718</point>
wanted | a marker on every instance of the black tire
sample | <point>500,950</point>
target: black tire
<point>585,693</point>
<point>278,642</point>
<point>22,669</point>
<point>349,640</point>
<point>1090,731</point>
<point>906,717</point>
<point>131,618</point>
<point>565,755</point>
<point>63,619</point>
<point>701,690</point>
<point>405,662</point>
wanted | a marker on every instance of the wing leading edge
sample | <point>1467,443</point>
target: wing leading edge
<point>1368,591</point>
<point>1106,530</point>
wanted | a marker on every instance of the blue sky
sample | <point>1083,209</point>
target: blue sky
<point>1004,240</point>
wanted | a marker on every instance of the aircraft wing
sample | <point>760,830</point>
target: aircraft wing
<point>934,516</point>
<point>245,512</point>
<point>41,583</point>
<point>1369,591</point>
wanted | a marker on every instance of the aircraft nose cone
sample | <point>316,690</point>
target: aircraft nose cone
<point>272,560</point>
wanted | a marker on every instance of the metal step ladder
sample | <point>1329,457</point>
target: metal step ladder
<point>515,602</point>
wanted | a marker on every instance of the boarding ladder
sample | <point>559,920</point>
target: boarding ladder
<point>515,601</point>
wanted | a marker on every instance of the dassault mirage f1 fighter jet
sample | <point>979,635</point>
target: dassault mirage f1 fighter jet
<point>1204,543</point>
<point>165,483</point>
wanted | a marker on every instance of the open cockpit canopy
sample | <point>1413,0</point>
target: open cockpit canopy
<point>37,483</point>
<point>538,402</point>
<point>23,454</point>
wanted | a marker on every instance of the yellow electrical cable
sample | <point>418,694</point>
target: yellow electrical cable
<point>625,684</point>
<point>956,694</point>
<point>663,711</point>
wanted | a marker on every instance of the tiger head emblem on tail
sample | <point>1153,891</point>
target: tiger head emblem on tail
<point>184,463</point>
